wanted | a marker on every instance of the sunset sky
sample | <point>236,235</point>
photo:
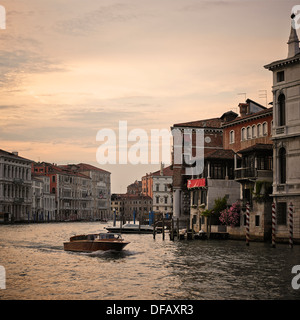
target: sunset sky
<point>70,68</point>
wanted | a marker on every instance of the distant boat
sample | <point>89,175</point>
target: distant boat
<point>131,228</point>
<point>95,242</point>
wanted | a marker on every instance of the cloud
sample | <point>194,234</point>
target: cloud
<point>89,22</point>
<point>16,65</point>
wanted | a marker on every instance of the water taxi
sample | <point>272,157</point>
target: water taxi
<point>95,242</point>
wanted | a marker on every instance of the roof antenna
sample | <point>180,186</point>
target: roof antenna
<point>243,94</point>
<point>264,94</point>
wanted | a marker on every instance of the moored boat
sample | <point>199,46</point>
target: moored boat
<point>131,228</point>
<point>95,242</point>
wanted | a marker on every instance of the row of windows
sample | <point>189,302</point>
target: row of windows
<point>166,199</point>
<point>251,132</point>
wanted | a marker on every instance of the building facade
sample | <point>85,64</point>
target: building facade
<point>286,137</point>
<point>162,182</point>
<point>249,136</point>
<point>100,189</point>
<point>72,191</point>
<point>15,187</point>
<point>129,206</point>
<point>212,168</point>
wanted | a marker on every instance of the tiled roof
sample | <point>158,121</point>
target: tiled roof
<point>248,117</point>
<point>82,167</point>
<point>257,147</point>
<point>208,123</point>
<point>168,171</point>
<point>224,154</point>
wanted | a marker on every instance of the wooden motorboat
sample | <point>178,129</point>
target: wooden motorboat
<point>95,242</point>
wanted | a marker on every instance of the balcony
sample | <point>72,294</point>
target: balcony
<point>18,200</point>
<point>18,181</point>
<point>252,174</point>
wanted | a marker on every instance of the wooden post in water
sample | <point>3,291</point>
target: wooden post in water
<point>172,230</point>
<point>121,222</point>
<point>163,228</point>
<point>187,228</point>
<point>192,231</point>
<point>178,238</point>
<point>154,230</point>
<point>139,223</point>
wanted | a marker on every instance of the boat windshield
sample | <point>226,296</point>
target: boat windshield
<point>109,236</point>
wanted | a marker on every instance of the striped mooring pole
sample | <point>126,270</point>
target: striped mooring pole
<point>291,225</point>
<point>247,224</point>
<point>273,224</point>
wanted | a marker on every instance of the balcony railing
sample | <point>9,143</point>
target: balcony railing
<point>252,173</point>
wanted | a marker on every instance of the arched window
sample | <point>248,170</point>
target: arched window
<point>281,110</point>
<point>282,165</point>
<point>243,134</point>
<point>259,131</point>
<point>265,128</point>
<point>231,136</point>
<point>248,133</point>
<point>254,131</point>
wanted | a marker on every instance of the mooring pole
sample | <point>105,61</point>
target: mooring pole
<point>247,223</point>
<point>291,225</point>
<point>273,225</point>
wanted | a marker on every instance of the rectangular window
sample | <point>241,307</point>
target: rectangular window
<point>281,213</point>
<point>195,197</point>
<point>280,76</point>
<point>256,221</point>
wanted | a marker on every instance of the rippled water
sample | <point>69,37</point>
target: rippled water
<point>37,267</point>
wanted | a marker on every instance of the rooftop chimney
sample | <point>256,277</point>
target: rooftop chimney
<point>15,153</point>
<point>244,109</point>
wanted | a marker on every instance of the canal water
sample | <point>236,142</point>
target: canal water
<point>37,267</point>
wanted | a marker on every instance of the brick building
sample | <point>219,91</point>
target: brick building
<point>249,136</point>
<point>212,141</point>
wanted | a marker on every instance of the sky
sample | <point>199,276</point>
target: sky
<point>70,68</point>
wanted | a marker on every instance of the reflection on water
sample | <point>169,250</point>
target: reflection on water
<point>37,267</point>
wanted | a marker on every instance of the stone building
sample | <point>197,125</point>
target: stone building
<point>100,188</point>
<point>15,187</point>
<point>135,188</point>
<point>162,182</point>
<point>43,202</point>
<point>286,137</point>
<point>72,191</point>
<point>128,205</point>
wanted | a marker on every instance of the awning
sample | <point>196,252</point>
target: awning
<point>196,183</point>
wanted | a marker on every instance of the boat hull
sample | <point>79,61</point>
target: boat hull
<point>91,246</point>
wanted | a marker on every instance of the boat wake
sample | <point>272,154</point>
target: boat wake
<point>109,254</point>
